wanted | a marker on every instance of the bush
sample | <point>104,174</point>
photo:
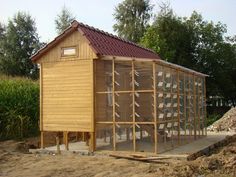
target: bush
<point>212,118</point>
<point>19,108</point>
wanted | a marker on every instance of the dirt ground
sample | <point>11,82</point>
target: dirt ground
<point>16,162</point>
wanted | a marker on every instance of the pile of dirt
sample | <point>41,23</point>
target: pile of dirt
<point>221,163</point>
<point>226,123</point>
<point>13,163</point>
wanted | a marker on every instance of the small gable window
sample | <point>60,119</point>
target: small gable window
<point>68,51</point>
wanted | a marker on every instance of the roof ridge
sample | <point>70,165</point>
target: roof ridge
<point>114,36</point>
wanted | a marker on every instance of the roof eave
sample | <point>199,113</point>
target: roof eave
<point>157,60</point>
<point>73,27</point>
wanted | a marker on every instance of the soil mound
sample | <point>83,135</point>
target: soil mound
<point>226,123</point>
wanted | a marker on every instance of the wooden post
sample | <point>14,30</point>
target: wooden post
<point>77,136</point>
<point>91,142</point>
<point>189,107</point>
<point>42,140</point>
<point>58,143</point>
<point>178,103</point>
<point>87,138</point>
<point>65,139</point>
<point>154,105</point>
<point>41,105</point>
<point>141,133</point>
<point>127,134</point>
<point>105,136</point>
<point>133,106</point>
<point>113,105</point>
<point>194,108</point>
<point>198,100</point>
<point>83,136</point>
<point>205,106</point>
<point>184,113</point>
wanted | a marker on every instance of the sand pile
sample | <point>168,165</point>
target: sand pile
<point>226,123</point>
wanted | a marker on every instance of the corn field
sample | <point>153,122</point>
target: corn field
<point>19,108</point>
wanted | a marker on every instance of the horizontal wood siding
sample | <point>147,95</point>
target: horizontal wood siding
<point>84,51</point>
<point>67,93</point>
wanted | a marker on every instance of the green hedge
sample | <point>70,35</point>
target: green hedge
<point>19,108</point>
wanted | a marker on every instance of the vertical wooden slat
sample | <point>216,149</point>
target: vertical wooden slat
<point>155,105</point>
<point>92,142</point>
<point>93,134</point>
<point>41,105</point>
<point>198,100</point>
<point>194,108</point>
<point>189,107</point>
<point>65,139</point>
<point>133,106</point>
<point>42,139</point>
<point>205,106</point>
<point>178,103</point>
<point>113,104</point>
<point>185,109</point>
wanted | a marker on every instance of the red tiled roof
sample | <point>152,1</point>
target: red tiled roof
<point>102,42</point>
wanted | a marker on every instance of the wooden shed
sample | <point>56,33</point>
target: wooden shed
<point>116,94</point>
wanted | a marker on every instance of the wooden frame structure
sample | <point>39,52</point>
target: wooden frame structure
<point>114,99</point>
<point>170,123</point>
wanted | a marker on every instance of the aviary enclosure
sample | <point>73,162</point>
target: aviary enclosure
<point>147,106</point>
<point>116,95</point>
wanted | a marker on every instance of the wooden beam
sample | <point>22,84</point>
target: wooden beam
<point>185,112</point>
<point>42,140</point>
<point>41,106</point>
<point>58,143</point>
<point>133,106</point>
<point>92,97</point>
<point>101,122</point>
<point>65,139</point>
<point>113,105</point>
<point>194,108</point>
<point>155,105</point>
<point>92,142</point>
<point>205,106</point>
<point>158,61</point>
<point>178,103</point>
<point>41,96</point>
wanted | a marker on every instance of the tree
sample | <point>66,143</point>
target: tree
<point>2,35</point>
<point>197,44</point>
<point>63,20</point>
<point>169,37</point>
<point>19,43</point>
<point>132,18</point>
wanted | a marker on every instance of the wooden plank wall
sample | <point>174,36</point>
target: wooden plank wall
<point>67,96</point>
<point>84,51</point>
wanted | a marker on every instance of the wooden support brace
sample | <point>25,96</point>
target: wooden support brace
<point>42,140</point>
<point>58,143</point>
<point>65,139</point>
<point>92,142</point>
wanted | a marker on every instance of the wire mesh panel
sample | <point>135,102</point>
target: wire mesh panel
<point>189,88</point>
<point>104,137</point>
<point>123,76</point>
<point>202,105</point>
<point>103,75</point>
<point>182,107</point>
<point>103,107</point>
<point>145,138</point>
<point>103,95</point>
<point>143,107</point>
<point>123,103</point>
<point>143,76</point>
<point>165,136</point>
<point>128,106</point>
<point>124,137</point>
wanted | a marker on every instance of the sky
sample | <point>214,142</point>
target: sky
<point>98,13</point>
